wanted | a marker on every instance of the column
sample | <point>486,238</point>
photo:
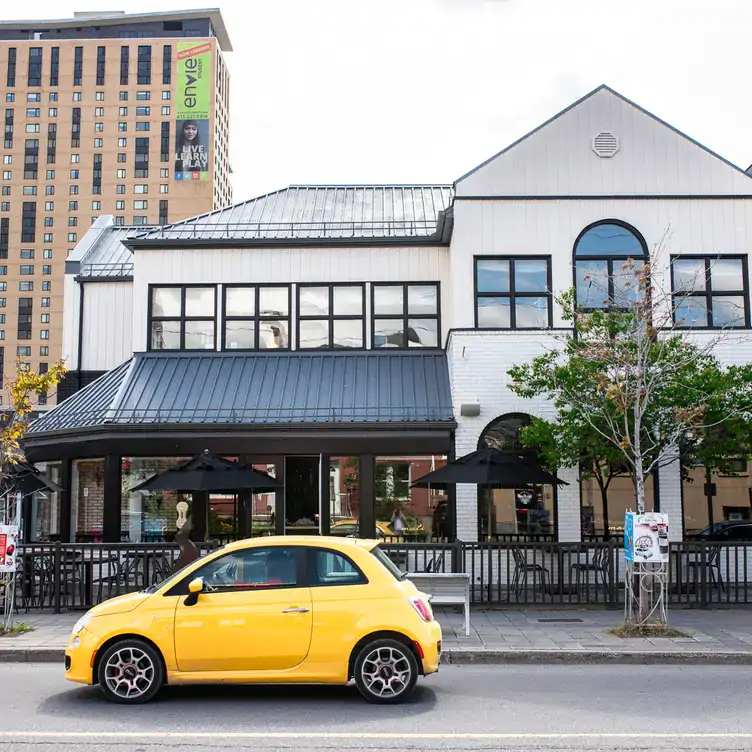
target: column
<point>279,497</point>
<point>112,499</point>
<point>199,515</point>
<point>568,506</point>
<point>670,489</point>
<point>367,473</point>
<point>325,501</point>
<point>66,483</point>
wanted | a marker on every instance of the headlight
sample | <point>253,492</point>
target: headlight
<point>82,622</point>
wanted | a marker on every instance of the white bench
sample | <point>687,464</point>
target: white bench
<point>445,589</point>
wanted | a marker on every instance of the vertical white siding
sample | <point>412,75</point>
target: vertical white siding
<point>71,315</point>
<point>108,316</point>
<point>558,160</point>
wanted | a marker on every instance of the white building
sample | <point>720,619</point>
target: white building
<point>372,327</point>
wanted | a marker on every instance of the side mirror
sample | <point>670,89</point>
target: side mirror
<point>194,588</point>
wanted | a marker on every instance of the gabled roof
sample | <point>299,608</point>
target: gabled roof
<point>317,212</point>
<point>261,389</point>
<point>741,185</point>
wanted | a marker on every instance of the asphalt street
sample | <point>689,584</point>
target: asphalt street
<point>463,708</point>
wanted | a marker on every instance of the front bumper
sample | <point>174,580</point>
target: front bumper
<point>79,657</point>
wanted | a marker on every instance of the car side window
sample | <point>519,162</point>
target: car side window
<point>326,567</point>
<point>251,569</point>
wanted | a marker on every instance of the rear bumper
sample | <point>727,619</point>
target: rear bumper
<point>432,649</point>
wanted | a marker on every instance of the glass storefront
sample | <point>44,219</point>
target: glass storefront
<point>620,499</point>
<point>44,516</point>
<point>87,500</point>
<point>730,503</point>
<point>529,511</point>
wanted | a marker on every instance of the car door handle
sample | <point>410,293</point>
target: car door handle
<point>295,611</point>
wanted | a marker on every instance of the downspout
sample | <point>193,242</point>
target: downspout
<point>80,334</point>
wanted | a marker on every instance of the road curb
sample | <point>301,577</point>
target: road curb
<point>479,657</point>
<point>466,657</point>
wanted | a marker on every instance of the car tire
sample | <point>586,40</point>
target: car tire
<point>130,672</point>
<point>386,672</point>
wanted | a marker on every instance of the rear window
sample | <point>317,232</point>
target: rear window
<point>388,563</point>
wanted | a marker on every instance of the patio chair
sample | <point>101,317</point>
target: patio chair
<point>600,566</point>
<point>541,575</point>
<point>435,564</point>
<point>713,565</point>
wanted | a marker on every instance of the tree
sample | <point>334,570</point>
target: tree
<point>631,377</point>
<point>24,391</point>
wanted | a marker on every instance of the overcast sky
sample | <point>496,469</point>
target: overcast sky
<point>420,91</point>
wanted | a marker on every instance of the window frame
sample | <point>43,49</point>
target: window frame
<point>512,294</point>
<point>330,317</point>
<point>405,316</point>
<point>310,568</point>
<point>708,293</point>
<point>182,318</point>
<point>605,257</point>
<point>257,319</point>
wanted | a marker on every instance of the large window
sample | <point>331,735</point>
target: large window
<point>602,275</point>
<point>331,316</point>
<point>405,315</point>
<point>718,505</point>
<point>256,317</point>
<point>182,318</point>
<point>513,293</point>
<point>710,292</point>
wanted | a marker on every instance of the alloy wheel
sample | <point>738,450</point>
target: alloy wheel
<point>386,672</point>
<point>129,673</point>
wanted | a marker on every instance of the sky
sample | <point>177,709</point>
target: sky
<point>421,91</point>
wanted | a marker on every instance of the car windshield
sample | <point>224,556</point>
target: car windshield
<point>388,563</point>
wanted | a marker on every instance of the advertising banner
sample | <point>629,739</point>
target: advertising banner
<point>192,103</point>
<point>8,546</point>
<point>646,537</point>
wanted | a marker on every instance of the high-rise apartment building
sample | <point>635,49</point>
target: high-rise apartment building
<point>104,113</point>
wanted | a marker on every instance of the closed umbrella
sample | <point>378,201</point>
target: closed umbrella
<point>208,472</point>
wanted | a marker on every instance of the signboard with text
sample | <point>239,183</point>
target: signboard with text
<point>646,537</point>
<point>192,105</point>
<point>8,547</point>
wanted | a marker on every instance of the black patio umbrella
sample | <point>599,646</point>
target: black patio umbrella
<point>208,472</point>
<point>493,468</point>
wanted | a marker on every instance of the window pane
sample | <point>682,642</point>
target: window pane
<point>388,299</point>
<point>165,301</point>
<point>494,312</point>
<point>422,333</point>
<point>199,335</point>
<point>274,301</point>
<point>240,301</point>
<point>240,335</point>
<point>531,312</point>
<point>626,282</point>
<point>689,275</point>
<point>313,334</point>
<point>273,335</point>
<point>165,335</point>
<point>591,281</point>
<point>609,240</point>
<point>691,312</point>
<point>331,568</point>
<point>348,333</point>
<point>388,333</point>
<point>422,299</point>
<point>199,301</point>
<point>492,275</point>
<point>348,301</point>
<point>728,310</point>
<point>727,274</point>
<point>314,301</point>
<point>531,275</point>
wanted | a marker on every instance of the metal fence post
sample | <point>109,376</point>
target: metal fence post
<point>57,575</point>
<point>703,575</point>
<point>613,573</point>
<point>456,556</point>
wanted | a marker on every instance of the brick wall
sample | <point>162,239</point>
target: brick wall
<point>88,497</point>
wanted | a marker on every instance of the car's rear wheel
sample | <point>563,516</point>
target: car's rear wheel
<point>130,672</point>
<point>386,671</point>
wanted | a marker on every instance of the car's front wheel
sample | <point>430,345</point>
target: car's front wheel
<point>386,671</point>
<point>130,672</point>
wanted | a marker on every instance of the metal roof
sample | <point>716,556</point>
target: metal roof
<point>262,389</point>
<point>108,257</point>
<point>318,212</point>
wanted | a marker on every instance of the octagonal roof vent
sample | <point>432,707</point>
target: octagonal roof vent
<point>605,144</point>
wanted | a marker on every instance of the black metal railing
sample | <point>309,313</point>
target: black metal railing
<point>64,576</point>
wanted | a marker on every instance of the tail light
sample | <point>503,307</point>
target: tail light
<point>423,608</point>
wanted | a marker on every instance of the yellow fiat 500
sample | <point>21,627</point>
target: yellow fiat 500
<point>324,610</point>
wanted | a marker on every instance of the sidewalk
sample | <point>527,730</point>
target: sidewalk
<point>504,636</point>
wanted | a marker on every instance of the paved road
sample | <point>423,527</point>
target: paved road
<point>463,708</point>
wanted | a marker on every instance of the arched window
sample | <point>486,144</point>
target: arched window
<point>516,514</point>
<point>600,253</point>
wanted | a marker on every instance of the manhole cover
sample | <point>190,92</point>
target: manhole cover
<point>560,621</point>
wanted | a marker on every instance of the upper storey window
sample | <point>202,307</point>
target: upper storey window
<point>182,317</point>
<point>601,276</point>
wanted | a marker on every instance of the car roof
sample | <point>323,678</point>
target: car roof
<point>321,541</point>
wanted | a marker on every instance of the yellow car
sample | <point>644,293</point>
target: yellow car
<point>274,609</point>
<point>350,527</point>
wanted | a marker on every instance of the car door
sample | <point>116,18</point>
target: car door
<point>254,615</point>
